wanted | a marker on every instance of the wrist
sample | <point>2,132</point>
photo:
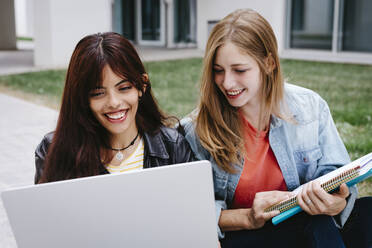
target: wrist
<point>234,219</point>
<point>246,218</point>
<point>343,206</point>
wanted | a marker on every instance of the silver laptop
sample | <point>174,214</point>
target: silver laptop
<point>170,206</point>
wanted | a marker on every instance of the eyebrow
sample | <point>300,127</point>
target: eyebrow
<point>239,64</point>
<point>232,65</point>
<point>122,81</point>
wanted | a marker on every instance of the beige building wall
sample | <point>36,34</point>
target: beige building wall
<point>24,18</point>
<point>215,10</point>
<point>59,25</point>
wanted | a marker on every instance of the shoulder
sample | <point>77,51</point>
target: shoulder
<point>300,95</point>
<point>188,123</point>
<point>43,146</point>
<point>40,155</point>
<point>305,104</point>
<point>164,137</point>
<point>170,144</point>
<point>170,134</point>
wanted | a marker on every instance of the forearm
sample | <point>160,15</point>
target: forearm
<point>234,219</point>
<point>255,217</point>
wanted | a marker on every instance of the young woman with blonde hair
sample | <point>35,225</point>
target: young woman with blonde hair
<point>265,138</point>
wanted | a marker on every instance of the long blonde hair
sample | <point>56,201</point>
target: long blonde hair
<point>218,124</point>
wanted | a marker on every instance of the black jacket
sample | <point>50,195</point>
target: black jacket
<point>166,147</point>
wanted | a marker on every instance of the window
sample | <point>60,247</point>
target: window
<point>312,24</point>
<point>333,25</point>
<point>129,19</point>
<point>356,25</point>
<point>150,19</point>
<point>184,21</point>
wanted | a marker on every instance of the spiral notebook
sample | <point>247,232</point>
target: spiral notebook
<point>350,174</point>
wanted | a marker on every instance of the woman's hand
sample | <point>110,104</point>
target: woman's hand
<point>314,200</point>
<point>255,217</point>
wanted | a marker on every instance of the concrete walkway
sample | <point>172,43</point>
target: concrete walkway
<point>23,124</point>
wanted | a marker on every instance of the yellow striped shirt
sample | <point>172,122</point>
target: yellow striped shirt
<point>133,162</point>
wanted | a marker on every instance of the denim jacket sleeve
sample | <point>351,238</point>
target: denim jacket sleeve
<point>202,154</point>
<point>334,156</point>
<point>314,142</point>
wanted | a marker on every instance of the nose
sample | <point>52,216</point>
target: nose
<point>228,81</point>
<point>113,100</point>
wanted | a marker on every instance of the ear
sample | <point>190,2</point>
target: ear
<point>270,64</point>
<point>145,78</point>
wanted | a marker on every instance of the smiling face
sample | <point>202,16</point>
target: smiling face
<point>115,104</point>
<point>238,76</point>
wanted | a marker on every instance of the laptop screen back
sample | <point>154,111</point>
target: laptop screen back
<point>170,206</point>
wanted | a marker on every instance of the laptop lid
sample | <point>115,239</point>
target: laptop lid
<point>169,206</point>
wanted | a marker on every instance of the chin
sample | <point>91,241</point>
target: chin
<point>117,131</point>
<point>236,104</point>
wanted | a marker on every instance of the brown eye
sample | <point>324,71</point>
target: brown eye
<point>124,88</point>
<point>95,93</point>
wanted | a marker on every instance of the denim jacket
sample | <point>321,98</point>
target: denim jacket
<point>305,150</point>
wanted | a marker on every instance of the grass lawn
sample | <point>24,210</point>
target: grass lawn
<point>347,89</point>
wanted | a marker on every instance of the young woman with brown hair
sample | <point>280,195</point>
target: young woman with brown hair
<point>265,138</point>
<point>109,119</point>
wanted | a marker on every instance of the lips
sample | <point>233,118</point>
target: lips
<point>234,93</point>
<point>117,116</point>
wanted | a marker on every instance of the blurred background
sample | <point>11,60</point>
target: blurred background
<point>326,30</point>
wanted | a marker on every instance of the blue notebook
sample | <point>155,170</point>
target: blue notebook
<point>350,174</point>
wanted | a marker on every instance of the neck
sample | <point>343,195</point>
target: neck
<point>123,139</point>
<point>251,113</point>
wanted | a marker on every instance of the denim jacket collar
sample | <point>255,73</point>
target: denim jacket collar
<point>275,122</point>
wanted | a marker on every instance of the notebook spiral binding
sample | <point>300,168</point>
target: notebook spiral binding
<point>328,186</point>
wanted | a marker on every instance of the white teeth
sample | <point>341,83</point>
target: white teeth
<point>234,92</point>
<point>116,116</point>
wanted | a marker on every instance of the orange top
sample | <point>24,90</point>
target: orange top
<point>261,171</point>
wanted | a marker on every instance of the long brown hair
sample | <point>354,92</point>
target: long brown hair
<point>78,140</point>
<point>218,125</point>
